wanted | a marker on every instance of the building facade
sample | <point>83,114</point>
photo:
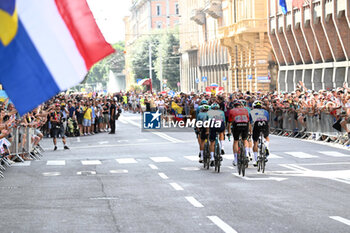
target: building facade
<point>203,59</point>
<point>146,16</point>
<point>311,43</point>
<point>244,33</point>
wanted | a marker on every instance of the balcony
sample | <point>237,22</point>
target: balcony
<point>213,8</point>
<point>198,16</point>
<point>244,26</point>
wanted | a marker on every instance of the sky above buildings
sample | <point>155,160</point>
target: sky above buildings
<point>109,16</point>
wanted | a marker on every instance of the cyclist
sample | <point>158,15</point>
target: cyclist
<point>202,132</point>
<point>217,117</point>
<point>203,102</point>
<point>239,120</point>
<point>260,119</point>
<point>250,143</point>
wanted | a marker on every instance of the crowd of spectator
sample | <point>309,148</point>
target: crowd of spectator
<point>71,115</point>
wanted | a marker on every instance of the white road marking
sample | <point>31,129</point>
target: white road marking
<point>126,160</point>
<point>24,164</point>
<point>260,179</point>
<point>176,186</point>
<point>342,176</point>
<point>334,154</point>
<point>340,219</point>
<point>142,140</point>
<point>230,167</point>
<point>161,174</point>
<point>123,141</point>
<point>273,156</point>
<point>161,159</point>
<point>118,171</point>
<point>78,139</point>
<point>103,142</point>
<point>56,163</point>
<point>191,168</point>
<point>123,121</point>
<point>301,155</point>
<point>192,158</point>
<point>154,167</point>
<point>104,198</point>
<point>167,137</point>
<point>221,224</point>
<point>89,172</point>
<point>91,162</point>
<point>51,173</point>
<point>194,202</point>
<point>228,156</point>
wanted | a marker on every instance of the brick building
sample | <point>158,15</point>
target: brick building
<point>311,44</point>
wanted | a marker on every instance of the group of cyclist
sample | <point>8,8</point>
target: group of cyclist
<point>240,121</point>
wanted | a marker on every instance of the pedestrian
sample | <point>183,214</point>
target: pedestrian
<point>112,114</point>
<point>57,127</point>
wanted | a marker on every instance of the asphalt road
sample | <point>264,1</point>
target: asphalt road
<point>152,182</point>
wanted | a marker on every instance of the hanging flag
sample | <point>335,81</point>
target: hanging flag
<point>56,43</point>
<point>283,6</point>
<point>145,82</point>
<point>8,21</point>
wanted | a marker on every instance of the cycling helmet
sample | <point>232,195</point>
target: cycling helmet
<point>203,102</point>
<point>256,104</point>
<point>215,106</point>
<point>237,103</point>
<point>204,108</point>
<point>243,102</point>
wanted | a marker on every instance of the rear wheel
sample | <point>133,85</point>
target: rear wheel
<point>217,157</point>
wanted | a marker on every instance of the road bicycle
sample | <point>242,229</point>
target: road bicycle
<point>206,154</point>
<point>217,154</point>
<point>242,160</point>
<point>262,153</point>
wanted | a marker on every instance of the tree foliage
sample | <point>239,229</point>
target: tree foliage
<point>140,58</point>
<point>163,58</point>
<point>168,62</point>
<point>115,62</point>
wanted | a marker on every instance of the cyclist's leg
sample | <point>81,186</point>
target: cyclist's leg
<point>236,135</point>
<point>245,130</point>
<point>212,137</point>
<point>256,134</point>
<point>266,136</point>
<point>202,136</point>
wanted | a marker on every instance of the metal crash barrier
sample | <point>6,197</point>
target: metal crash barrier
<point>317,127</point>
<point>21,147</point>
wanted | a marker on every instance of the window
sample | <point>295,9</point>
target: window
<point>159,25</point>
<point>177,12</point>
<point>159,12</point>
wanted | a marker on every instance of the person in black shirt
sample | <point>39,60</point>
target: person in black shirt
<point>57,127</point>
<point>112,113</point>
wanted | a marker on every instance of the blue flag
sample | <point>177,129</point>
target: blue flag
<point>283,6</point>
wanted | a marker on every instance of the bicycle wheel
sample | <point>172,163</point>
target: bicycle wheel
<point>217,156</point>
<point>243,160</point>
<point>263,159</point>
<point>259,163</point>
<point>239,159</point>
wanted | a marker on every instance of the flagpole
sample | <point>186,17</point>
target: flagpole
<point>150,64</point>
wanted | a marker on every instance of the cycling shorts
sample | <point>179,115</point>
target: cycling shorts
<point>240,129</point>
<point>260,126</point>
<point>202,133</point>
<point>216,130</point>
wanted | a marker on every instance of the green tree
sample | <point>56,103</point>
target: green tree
<point>168,62</point>
<point>99,73</point>
<point>140,58</point>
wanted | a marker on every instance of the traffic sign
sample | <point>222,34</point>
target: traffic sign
<point>204,79</point>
